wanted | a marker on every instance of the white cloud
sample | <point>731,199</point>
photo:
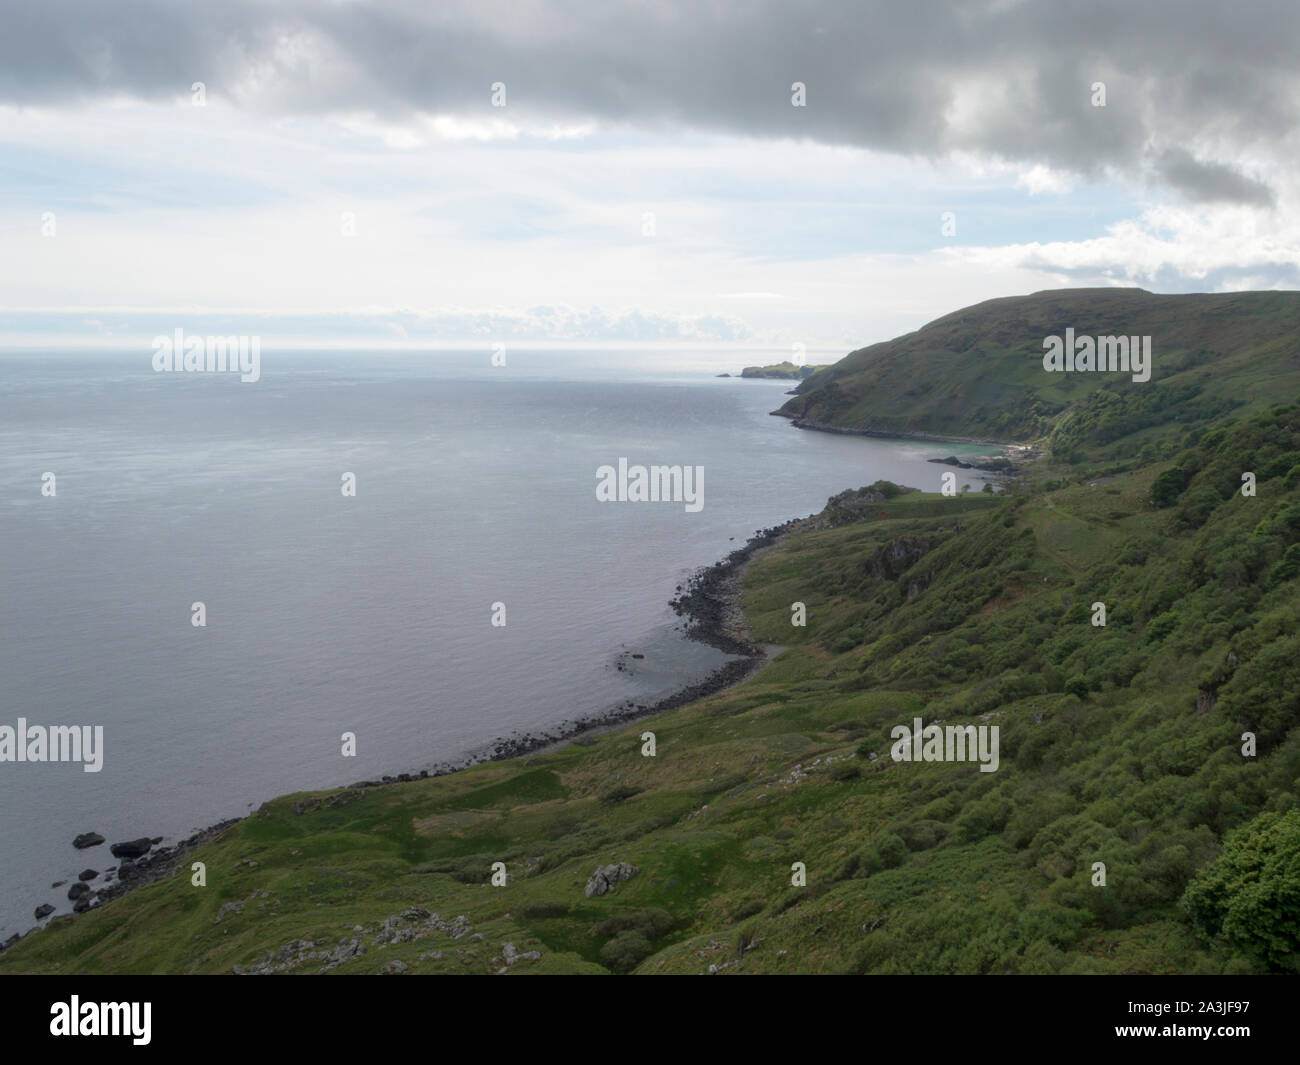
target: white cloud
<point>1219,248</point>
<point>1038,179</point>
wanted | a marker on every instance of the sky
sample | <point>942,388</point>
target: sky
<point>733,173</point>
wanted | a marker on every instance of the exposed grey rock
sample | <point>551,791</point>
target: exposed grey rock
<point>413,923</point>
<point>286,957</point>
<point>605,877</point>
<point>458,927</point>
<point>87,839</point>
<point>345,951</point>
<point>511,954</point>
<point>43,911</point>
<point>235,907</point>
<point>395,930</point>
<point>87,874</point>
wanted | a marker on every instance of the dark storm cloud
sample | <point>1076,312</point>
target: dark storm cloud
<point>1000,77</point>
<point>1211,181</point>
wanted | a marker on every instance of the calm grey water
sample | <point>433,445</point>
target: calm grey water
<point>371,614</point>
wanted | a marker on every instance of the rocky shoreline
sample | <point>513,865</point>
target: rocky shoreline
<point>710,604</point>
<point>140,862</point>
<point>1012,457</point>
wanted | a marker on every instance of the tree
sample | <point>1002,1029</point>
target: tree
<point>1166,488</point>
<point>1251,893</point>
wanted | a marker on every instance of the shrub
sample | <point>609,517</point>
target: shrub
<point>1166,488</point>
<point>1161,626</point>
<point>922,835</point>
<point>889,852</point>
<point>536,910</point>
<point>885,488</point>
<point>625,951</point>
<point>1197,507</point>
<point>1288,568</point>
<point>619,793</point>
<point>651,923</point>
<point>1251,893</point>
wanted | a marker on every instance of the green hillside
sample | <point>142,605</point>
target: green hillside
<point>978,373</point>
<point>1122,744</point>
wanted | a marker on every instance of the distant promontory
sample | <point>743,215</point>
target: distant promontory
<point>783,370</point>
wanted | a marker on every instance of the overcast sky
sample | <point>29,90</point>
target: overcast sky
<point>345,172</point>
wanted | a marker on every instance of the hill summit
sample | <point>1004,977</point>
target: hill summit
<point>978,373</point>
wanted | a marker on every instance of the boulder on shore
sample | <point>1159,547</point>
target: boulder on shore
<point>134,848</point>
<point>43,911</point>
<point>87,839</point>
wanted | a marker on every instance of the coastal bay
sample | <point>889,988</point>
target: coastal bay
<point>472,489</point>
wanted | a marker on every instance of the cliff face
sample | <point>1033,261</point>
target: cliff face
<point>978,373</point>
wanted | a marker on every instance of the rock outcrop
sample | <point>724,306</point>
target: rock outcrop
<point>602,881</point>
<point>132,848</point>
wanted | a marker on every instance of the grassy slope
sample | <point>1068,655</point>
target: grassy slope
<point>947,608</point>
<point>978,372</point>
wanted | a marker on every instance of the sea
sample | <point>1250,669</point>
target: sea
<point>368,613</point>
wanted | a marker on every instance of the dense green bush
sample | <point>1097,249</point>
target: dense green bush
<point>1166,488</point>
<point>1251,894</point>
<point>625,951</point>
<point>652,923</point>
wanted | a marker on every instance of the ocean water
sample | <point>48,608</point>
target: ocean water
<point>371,615</point>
